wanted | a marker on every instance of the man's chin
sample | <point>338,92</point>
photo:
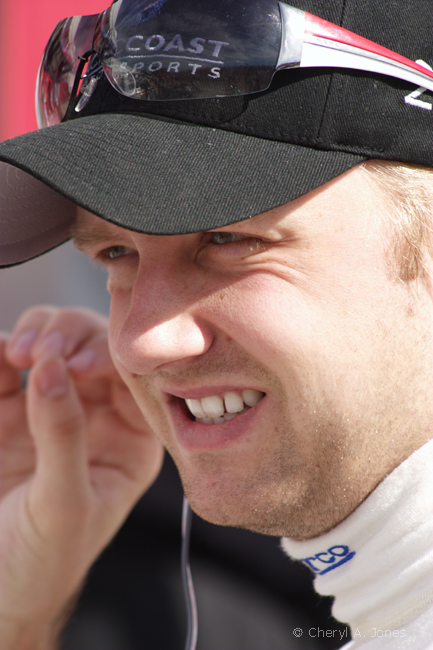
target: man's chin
<point>270,510</point>
<point>256,521</point>
<point>236,506</point>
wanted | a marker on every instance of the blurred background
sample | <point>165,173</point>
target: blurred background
<point>249,595</point>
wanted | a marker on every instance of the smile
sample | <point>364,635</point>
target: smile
<point>216,409</point>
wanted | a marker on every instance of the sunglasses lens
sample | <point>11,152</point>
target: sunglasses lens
<point>165,50</point>
<point>71,39</point>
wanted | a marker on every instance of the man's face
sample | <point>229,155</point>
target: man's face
<point>299,305</point>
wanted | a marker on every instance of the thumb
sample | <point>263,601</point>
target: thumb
<point>57,424</point>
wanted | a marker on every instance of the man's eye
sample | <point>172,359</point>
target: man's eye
<point>219,238</point>
<point>115,252</point>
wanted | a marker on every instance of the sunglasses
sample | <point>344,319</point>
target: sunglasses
<point>159,50</point>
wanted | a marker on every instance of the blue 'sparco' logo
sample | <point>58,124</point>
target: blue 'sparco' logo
<point>328,560</point>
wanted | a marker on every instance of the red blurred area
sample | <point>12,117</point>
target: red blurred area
<point>25,27</point>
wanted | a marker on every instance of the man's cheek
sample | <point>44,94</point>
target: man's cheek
<point>115,343</point>
<point>122,274</point>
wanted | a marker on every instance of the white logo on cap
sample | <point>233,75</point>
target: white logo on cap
<point>412,98</point>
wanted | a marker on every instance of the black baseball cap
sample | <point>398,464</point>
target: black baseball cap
<point>189,165</point>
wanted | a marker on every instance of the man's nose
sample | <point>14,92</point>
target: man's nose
<point>162,327</point>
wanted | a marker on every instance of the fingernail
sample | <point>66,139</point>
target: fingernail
<point>52,344</point>
<point>53,379</point>
<point>83,360</point>
<point>21,344</point>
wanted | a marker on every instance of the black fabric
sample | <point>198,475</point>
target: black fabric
<point>183,166</point>
<point>149,188</point>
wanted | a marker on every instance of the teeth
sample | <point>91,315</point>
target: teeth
<point>195,407</point>
<point>226,417</point>
<point>233,403</point>
<point>251,397</point>
<point>213,406</point>
<point>214,409</point>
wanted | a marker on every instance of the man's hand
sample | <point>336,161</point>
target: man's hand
<point>75,455</point>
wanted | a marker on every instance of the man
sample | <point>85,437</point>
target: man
<point>268,250</point>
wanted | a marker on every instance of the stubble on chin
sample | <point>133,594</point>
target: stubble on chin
<point>287,494</point>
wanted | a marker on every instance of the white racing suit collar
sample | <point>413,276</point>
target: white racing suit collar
<point>378,563</point>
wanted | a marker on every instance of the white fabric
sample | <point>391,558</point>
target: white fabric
<point>378,563</point>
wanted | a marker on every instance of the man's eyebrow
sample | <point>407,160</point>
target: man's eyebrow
<point>86,235</point>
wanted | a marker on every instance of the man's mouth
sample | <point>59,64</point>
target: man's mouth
<point>216,409</point>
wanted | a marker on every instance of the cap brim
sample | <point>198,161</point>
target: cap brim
<point>154,176</point>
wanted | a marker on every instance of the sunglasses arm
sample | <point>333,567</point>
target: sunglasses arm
<point>308,41</point>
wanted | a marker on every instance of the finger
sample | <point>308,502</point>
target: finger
<point>57,424</point>
<point>67,331</point>
<point>10,377</point>
<point>92,358</point>
<point>135,453</point>
<point>47,331</point>
<point>25,334</point>
<point>93,370</point>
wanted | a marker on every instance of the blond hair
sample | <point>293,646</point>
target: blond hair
<point>410,189</point>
